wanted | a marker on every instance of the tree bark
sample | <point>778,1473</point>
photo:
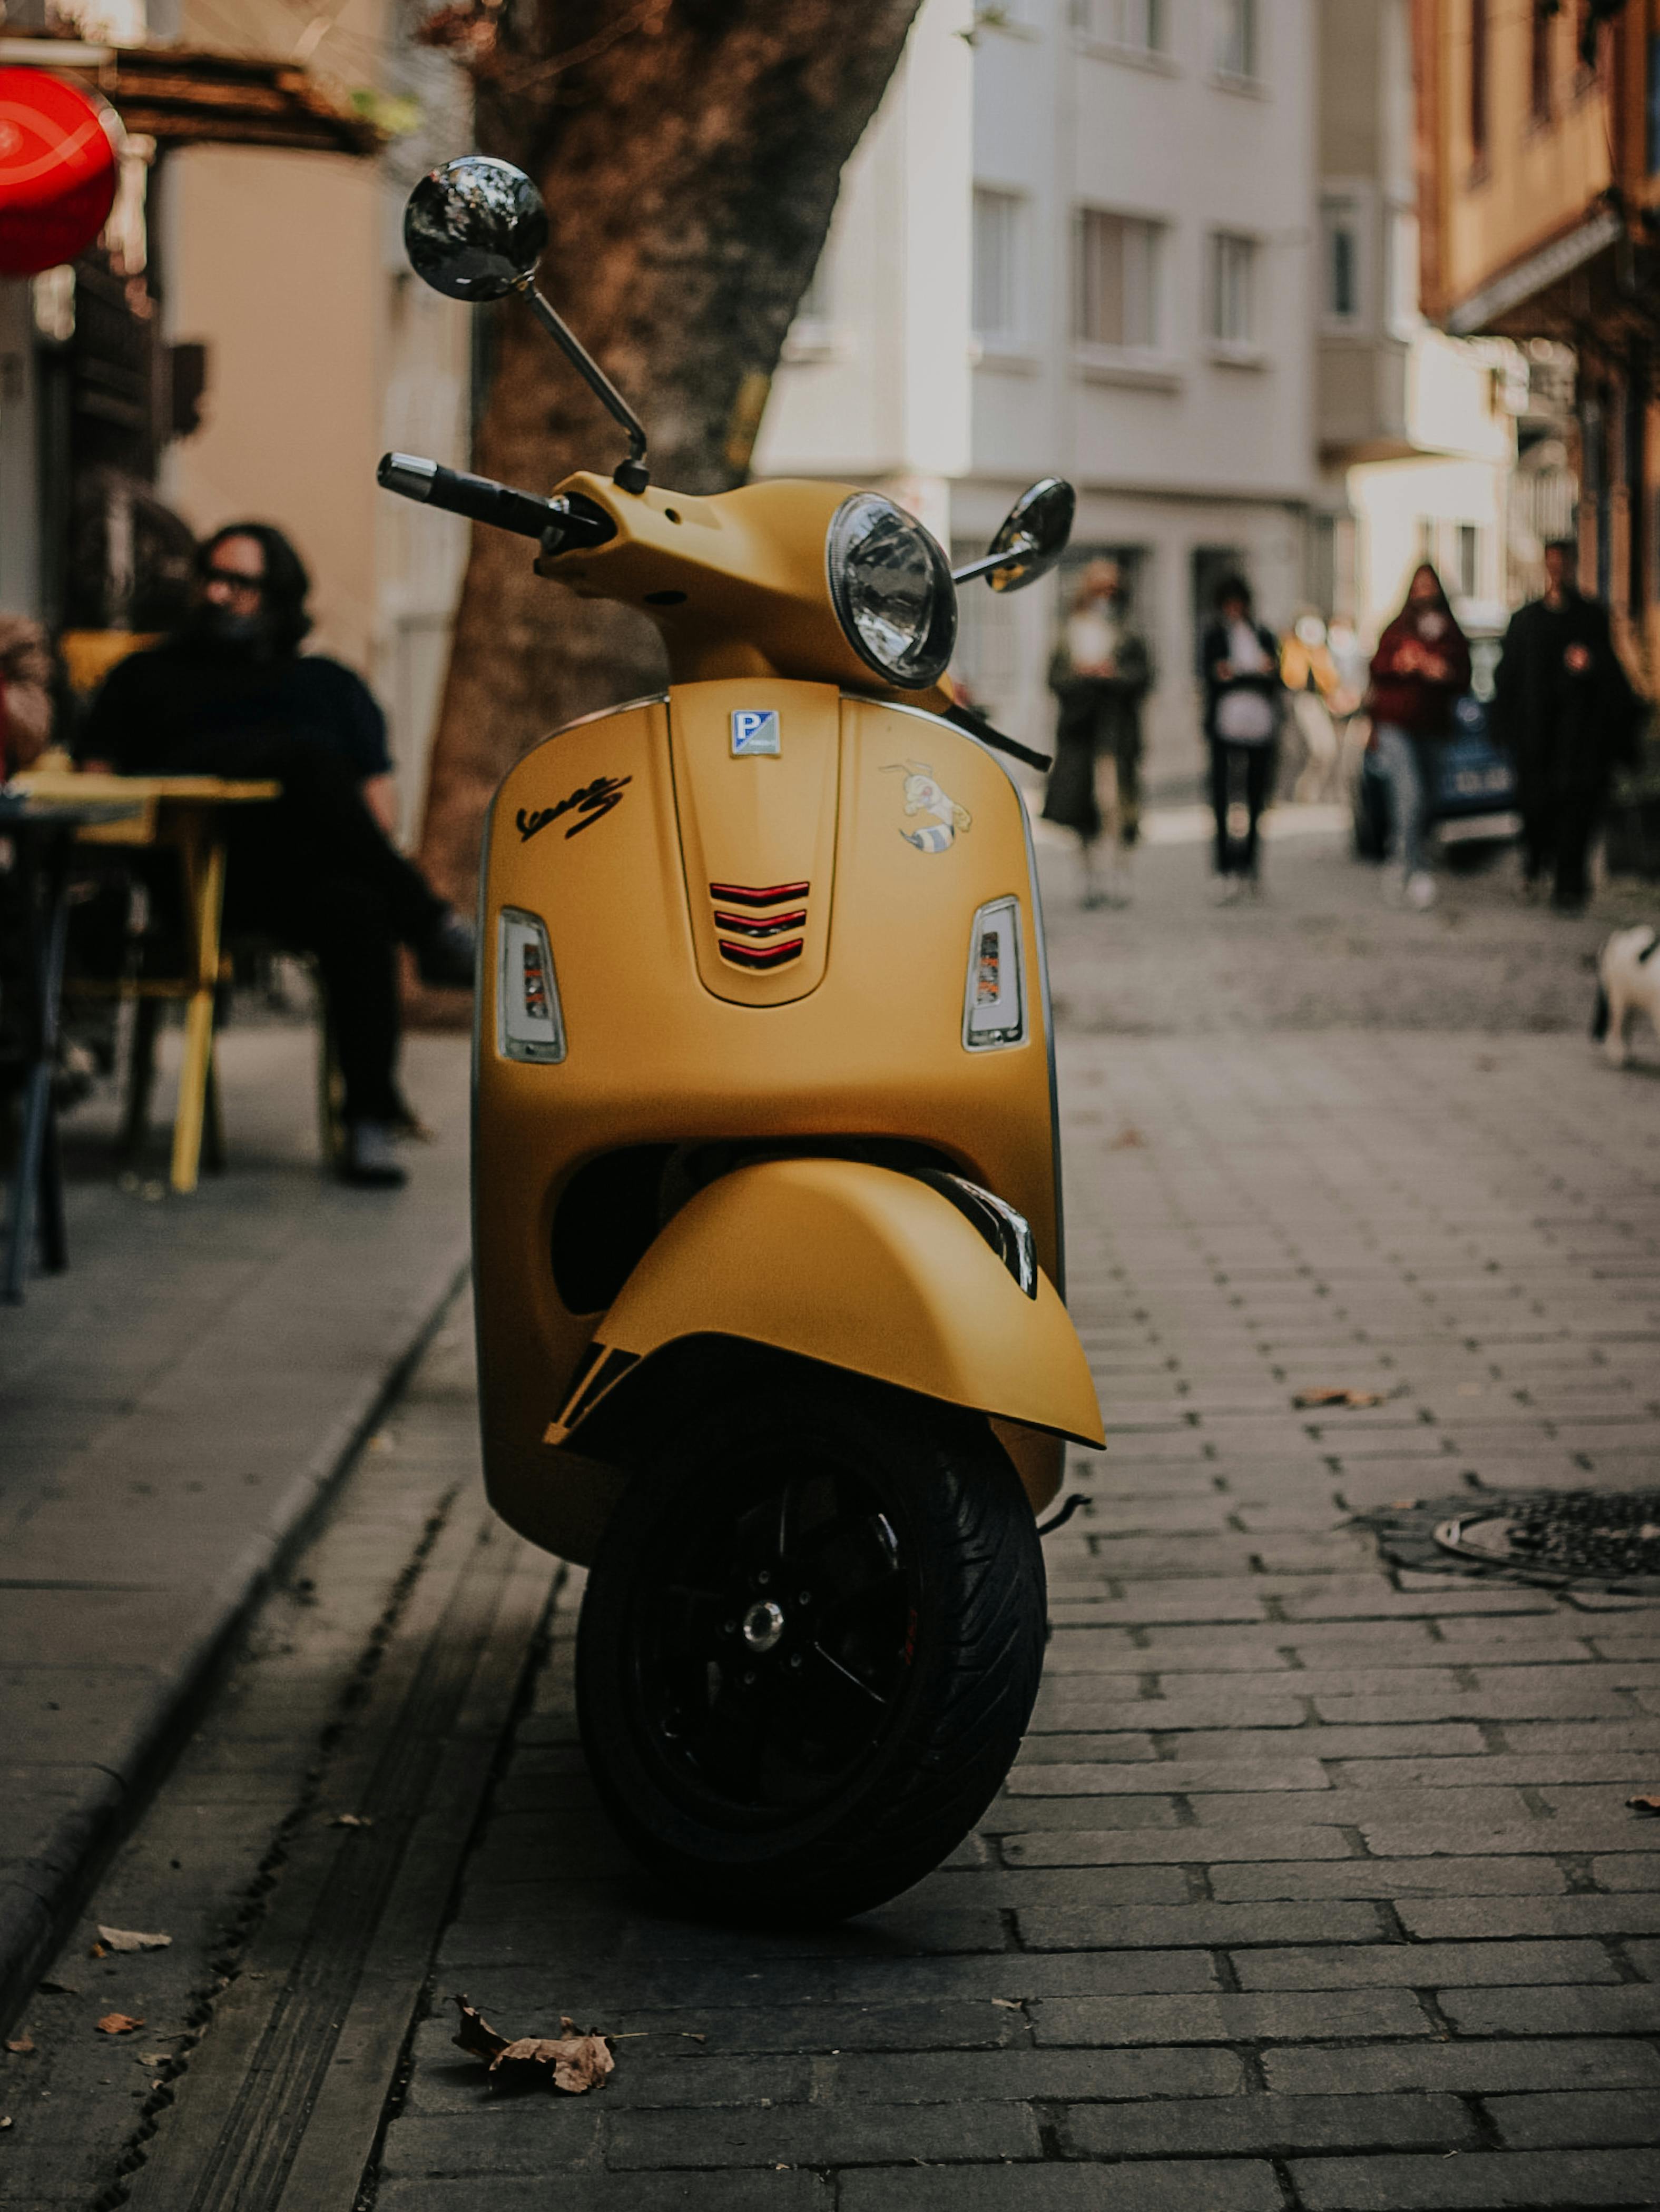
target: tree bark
<point>689,152</point>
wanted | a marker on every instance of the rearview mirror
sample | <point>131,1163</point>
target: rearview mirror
<point>1031,539</point>
<point>475,228</point>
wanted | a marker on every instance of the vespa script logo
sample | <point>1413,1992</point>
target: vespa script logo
<point>592,803</point>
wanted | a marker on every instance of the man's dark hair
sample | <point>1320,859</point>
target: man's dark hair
<point>1233,588</point>
<point>1567,547</point>
<point>286,582</point>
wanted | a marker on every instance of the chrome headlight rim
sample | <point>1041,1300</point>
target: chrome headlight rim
<point>930,652</point>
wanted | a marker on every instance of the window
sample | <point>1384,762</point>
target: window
<point>1468,560</point>
<point>1478,19</point>
<point>816,307</point>
<point>1427,535</point>
<point>1117,301</point>
<point>1230,317</point>
<point>1138,24</point>
<point>997,264</point>
<point>1342,284</point>
<point>1237,39</point>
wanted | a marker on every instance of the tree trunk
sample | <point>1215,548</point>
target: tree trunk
<point>689,152</point>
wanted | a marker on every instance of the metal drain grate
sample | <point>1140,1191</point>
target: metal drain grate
<point>1573,1534</point>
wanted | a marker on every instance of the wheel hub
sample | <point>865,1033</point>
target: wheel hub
<point>763,1623</point>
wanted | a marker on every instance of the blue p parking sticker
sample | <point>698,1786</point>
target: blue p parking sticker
<point>754,730</point>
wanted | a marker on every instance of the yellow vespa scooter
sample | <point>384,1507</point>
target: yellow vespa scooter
<point>767,1204</point>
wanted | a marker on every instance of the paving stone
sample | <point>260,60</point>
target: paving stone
<point>1486,2180</point>
<point>1593,2117</point>
<point>864,2134</point>
<point>1160,1926</point>
<point>788,2191</point>
<point>1116,1846</point>
<point>1230,2126</point>
<point>1499,1917</point>
<point>1157,2185</point>
<point>1464,2067</point>
<point>1633,2010</point>
<point>1020,2076</point>
<point>1394,1878</point>
<point>1230,2018</point>
<point>1426,1965</point>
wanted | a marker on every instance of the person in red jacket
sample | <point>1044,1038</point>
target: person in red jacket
<point>1422,665</point>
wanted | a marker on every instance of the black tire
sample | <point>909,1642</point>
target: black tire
<point>811,1769</point>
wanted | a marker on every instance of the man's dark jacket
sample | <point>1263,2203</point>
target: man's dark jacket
<point>1569,730</point>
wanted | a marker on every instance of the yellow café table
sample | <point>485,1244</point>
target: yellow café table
<point>182,812</point>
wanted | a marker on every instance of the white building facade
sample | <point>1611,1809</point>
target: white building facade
<point>1076,241</point>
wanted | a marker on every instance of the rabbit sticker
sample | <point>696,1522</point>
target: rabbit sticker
<point>924,796</point>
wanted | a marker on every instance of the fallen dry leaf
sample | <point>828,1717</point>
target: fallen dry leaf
<point>690,2034</point>
<point>1341,1395</point>
<point>118,2023</point>
<point>23,2045</point>
<point>352,1821</point>
<point>1645,1804</point>
<point>572,2062</point>
<point>58,1988</point>
<point>1009,2004</point>
<point>130,1939</point>
<point>5,2120</point>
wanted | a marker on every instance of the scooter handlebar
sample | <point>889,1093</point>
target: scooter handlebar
<point>482,500</point>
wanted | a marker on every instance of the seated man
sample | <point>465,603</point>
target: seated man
<point>231,695</point>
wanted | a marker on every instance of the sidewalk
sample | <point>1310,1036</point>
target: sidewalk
<point>171,1409</point>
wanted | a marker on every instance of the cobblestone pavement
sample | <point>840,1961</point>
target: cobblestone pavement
<point>1314,1886</point>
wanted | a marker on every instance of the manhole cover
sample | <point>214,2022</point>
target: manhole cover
<point>1585,1536</point>
<point>1581,1532</point>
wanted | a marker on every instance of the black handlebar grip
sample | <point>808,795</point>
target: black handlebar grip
<point>477,497</point>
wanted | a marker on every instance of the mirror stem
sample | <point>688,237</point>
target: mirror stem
<point>983,567</point>
<point>631,474</point>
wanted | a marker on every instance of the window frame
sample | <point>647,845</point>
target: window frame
<point>1244,348</point>
<point>1015,337</point>
<point>1359,195</point>
<point>1252,75</point>
<point>1154,50</point>
<point>1152,358</point>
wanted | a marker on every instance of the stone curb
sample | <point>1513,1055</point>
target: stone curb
<point>41,1895</point>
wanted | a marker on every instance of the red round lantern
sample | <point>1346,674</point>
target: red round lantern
<point>58,170</point>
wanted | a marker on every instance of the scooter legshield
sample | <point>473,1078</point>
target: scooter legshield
<point>860,1267</point>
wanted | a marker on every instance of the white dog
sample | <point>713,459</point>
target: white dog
<point>1628,982</point>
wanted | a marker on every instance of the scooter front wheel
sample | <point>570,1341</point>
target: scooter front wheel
<point>809,1646</point>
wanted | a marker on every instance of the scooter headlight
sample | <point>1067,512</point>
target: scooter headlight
<point>891,589</point>
<point>995,1006</point>
<point>529,1025</point>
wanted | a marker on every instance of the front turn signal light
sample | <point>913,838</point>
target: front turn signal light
<point>994,1004</point>
<point>529,1025</point>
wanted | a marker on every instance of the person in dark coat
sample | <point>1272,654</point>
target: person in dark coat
<point>1244,706</point>
<point>1420,669</point>
<point>231,695</point>
<point>1100,673</point>
<point>1564,707</point>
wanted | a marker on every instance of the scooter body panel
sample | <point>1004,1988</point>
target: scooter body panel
<point>625,834</point>
<point>858,1266</point>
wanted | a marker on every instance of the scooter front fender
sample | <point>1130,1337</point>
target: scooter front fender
<point>861,1268</point>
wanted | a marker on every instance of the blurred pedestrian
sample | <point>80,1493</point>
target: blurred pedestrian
<point>230,694</point>
<point>1422,666</point>
<point>25,693</point>
<point>1310,676</point>
<point>1244,708</point>
<point>1564,707</point>
<point>1100,673</point>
